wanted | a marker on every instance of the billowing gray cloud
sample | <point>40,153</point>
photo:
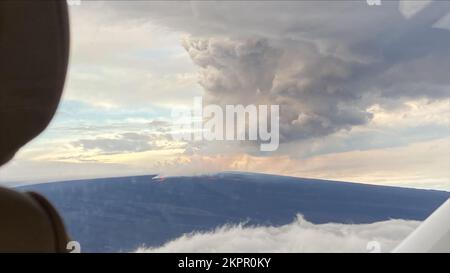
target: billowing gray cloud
<point>324,63</point>
<point>309,87</point>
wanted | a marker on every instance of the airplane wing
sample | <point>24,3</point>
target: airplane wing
<point>432,236</point>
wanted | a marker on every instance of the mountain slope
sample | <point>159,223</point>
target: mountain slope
<point>121,214</point>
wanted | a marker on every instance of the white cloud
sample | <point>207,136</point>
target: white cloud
<point>299,236</point>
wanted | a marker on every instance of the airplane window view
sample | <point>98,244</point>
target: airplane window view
<point>225,127</point>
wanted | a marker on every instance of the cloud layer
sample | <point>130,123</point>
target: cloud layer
<point>325,64</point>
<point>299,236</point>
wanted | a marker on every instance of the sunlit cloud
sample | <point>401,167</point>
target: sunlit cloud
<point>299,236</point>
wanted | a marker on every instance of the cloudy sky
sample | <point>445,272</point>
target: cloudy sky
<point>363,90</point>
